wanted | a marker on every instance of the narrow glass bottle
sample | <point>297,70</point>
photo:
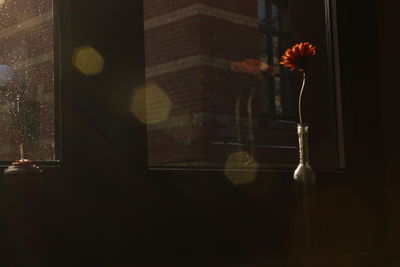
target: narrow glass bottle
<point>304,173</point>
<point>306,183</point>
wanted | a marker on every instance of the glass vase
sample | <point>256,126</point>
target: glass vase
<point>304,173</point>
<point>306,184</point>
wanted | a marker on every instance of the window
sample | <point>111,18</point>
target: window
<point>27,80</point>
<point>274,25</point>
<point>208,103</point>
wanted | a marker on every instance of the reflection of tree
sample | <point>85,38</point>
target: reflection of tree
<point>275,25</point>
<point>259,69</point>
<point>22,112</point>
<point>249,124</point>
<point>26,123</point>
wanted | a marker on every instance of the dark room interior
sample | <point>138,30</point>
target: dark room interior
<point>119,191</point>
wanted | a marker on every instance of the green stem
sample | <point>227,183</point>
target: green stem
<point>300,97</point>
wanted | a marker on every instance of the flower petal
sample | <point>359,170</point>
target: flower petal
<point>294,56</point>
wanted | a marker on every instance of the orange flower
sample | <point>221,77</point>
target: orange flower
<point>297,56</point>
<point>253,66</point>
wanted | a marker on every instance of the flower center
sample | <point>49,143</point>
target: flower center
<point>301,62</point>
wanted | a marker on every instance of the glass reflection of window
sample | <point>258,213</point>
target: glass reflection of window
<point>27,80</point>
<point>261,10</point>
<point>274,18</point>
<point>274,15</point>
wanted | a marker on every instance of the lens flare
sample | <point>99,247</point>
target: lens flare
<point>88,61</point>
<point>151,104</point>
<point>234,168</point>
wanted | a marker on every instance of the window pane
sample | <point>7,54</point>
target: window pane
<point>26,79</point>
<point>216,94</point>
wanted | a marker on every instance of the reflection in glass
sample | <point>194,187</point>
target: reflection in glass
<point>218,64</point>
<point>26,80</point>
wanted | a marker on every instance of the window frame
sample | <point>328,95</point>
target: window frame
<point>85,180</point>
<point>57,79</point>
<point>332,40</point>
<point>62,42</point>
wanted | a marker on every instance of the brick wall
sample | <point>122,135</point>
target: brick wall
<point>26,46</point>
<point>190,45</point>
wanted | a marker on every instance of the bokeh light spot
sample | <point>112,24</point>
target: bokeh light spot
<point>233,168</point>
<point>151,105</point>
<point>88,61</point>
<point>2,2</point>
<point>138,107</point>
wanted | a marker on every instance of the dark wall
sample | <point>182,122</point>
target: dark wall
<point>103,208</point>
<point>389,41</point>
